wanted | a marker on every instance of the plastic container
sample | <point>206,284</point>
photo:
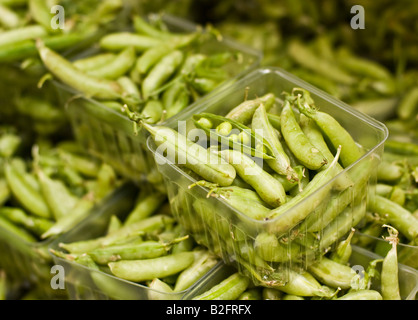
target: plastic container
<point>30,263</point>
<point>359,261</point>
<point>231,234</point>
<point>407,254</point>
<point>83,283</point>
<point>109,135</point>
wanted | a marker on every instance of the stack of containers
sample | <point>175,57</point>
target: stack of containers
<point>231,234</point>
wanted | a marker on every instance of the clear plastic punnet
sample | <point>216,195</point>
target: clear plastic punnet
<point>109,135</point>
<point>266,249</point>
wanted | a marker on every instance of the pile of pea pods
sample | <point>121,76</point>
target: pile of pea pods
<point>150,74</point>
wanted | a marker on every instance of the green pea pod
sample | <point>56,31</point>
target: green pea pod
<point>70,220</point>
<point>161,72</point>
<point>142,26</point>
<point>182,101</point>
<point>56,194</point>
<point>342,252</point>
<point>244,112</point>
<point>332,273</point>
<point>41,13</point>
<point>118,41</point>
<point>267,187</point>
<point>9,143</point>
<point>116,68</point>
<point>390,269</point>
<point>19,217</point>
<point>364,294</point>
<point>228,289</point>
<point>94,62</point>
<point>8,38</point>
<point>306,153</point>
<point>255,147</point>
<point>30,198</point>
<point>4,192</point>
<point>8,18</point>
<point>149,269</point>
<point>151,57</point>
<point>332,129</point>
<point>64,70</point>
<point>407,108</point>
<point>146,205</point>
<point>281,162</point>
<point>205,163</point>
<point>16,231</point>
<point>202,264</point>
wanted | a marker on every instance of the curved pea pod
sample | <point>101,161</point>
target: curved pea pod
<point>149,269</point>
<point>117,67</point>
<point>152,112</point>
<point>390,269</point>
<point>243,113</point>
<point>56,194</point>
<point>64,70</point>
<point>161,73</point>
<point>246,201</point>
<point>16,231</point>
<point>19,217</point>
<point>9,144</point>
<point>203,263</point>
<point>79,212</point>
<point>41,13</point>
<point>179,104</point>
<point>364,294</point>
<point>267,187</point>
<point>11,37</point>
<point>270,249</point>
<point>228,289</point>
<point>305,152</point>
<point>331,128</point>
<point>254,144</point>
<point>317,185</point>
<point>407,108</point>
<point>342,252</point>
<point>205,163</point>
<point>396,215</point>
<point>304,286</point>
<point>146,205</point>
<point>94,62</point>
<point>146,61</point>
<point>141,26</point>
<point>131,251</point>
<point>160,290</point>
<point>8,18</point>
<point>332,273</point>
<point>315,136</point>
<point>30,198</point>
<point>119,41</point>
<point>281,162</point>
<point>271,294</point>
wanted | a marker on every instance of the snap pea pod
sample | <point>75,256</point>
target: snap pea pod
<point>228,289</point>
<point>205,163</point>
<point>20,233</point>
<point>257,146</point>
<point>9,143</point>
<point>160,290</point>
<point>182,101</point>
<point>95,61</point>
<point>282,163</point>
<point>19,217</point>
<point>144,27</point>
<point>331,128</point>
<point>204,262</point>
<point>390,269</point>
<point>118,41</point>
<point>342,252</point>
<point>68,74</point>
<point>148,269</point>
<point>78,213</point>
<point>267,187</point>
<point>30,198</point>
<point>306,153</point>
<point>332,273</point>
<point>251,294</point>
<point>319,181</point>
<point>41,13</point>
<point>303,285</point>
<point>402,148</point>
<point>117,67</point>
<point>132,251</point>
<point>389,171</point>
<point>56,194</point>
<point>271,294</point>
<point>146,61</point>
<point>315,137</point>
<point>131,93</point>
<point>153,223</point>
<point>270,249</point>
<point>152,112</point>
<point>396,215</point>
<point>8,18</point>
<point>244,112</point>
<point>11,37</point>
<point>408,105</point>
<point>364,294</point>
<point>146,205</point>
<point>246,201</point>
<point>161,73</point>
